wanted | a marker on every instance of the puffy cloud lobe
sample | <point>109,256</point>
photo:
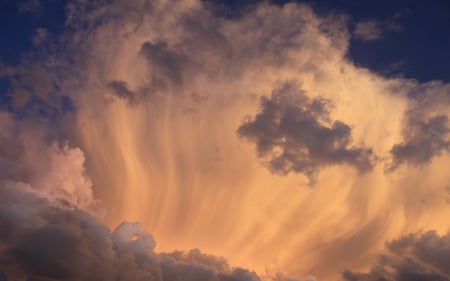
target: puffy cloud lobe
<point>426,132</point>
<point>53,169</point>
<point>294,132</point>
<point>43,241</point>
<point>425,139</point>
<point>419,256</point>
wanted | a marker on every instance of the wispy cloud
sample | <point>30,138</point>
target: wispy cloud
<point>31,6</point>
<point>375,29</point>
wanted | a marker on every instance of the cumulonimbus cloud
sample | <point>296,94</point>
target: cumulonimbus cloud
<point>100,118</point>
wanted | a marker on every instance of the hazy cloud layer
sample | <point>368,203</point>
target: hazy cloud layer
<point>419,256</point>
<point>295,134</point>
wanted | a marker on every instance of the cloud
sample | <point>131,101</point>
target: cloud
<point>295,134</point>
<point>418,256</point>
<point>43,241</point>
<point>54,169</point>
<point>164,62</point>
<point>131,68</point>
<point>425,140</point>
<point>426,131</point>
<point>31,6</point>
<point>373,29</point>
<point>368,30</point>
<point>33,90</point>
<point>120,89</point>
<point>48,230</point>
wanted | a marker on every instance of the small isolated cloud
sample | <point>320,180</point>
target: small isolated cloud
<point>53,170</point>
<point>295,134</point>
<point>368,30</point>
<point>374,29</point>
<point>415,257</point>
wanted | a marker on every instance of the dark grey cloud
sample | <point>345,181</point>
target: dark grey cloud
<point>120,89</point>
<point>415,257</point>
<point>165,62</point>
<point>294,133</point>
<point>426,127</point>
<point>41,240</point>
<point>424,139</point>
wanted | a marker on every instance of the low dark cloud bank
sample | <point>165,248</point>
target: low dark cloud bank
<point>295,134</point>
<point>415,257</point>
<point>41,240</point>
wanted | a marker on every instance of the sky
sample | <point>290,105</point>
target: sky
<point>224,140</point>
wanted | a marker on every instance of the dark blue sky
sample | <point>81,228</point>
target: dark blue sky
<point>420,50</point>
